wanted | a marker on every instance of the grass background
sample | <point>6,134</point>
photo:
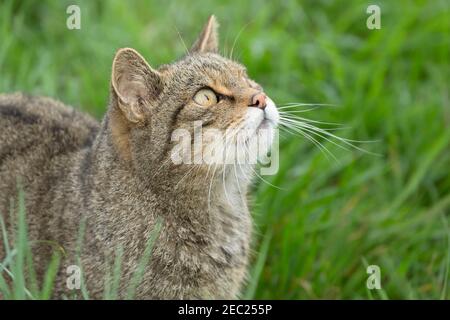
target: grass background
<point>328,220</point>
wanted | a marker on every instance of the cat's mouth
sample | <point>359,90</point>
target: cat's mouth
<point>265,124</point>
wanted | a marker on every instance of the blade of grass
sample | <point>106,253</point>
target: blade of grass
<point>4,288</point>
<point>50,276</point>
<point>18,269</point>
<point>4,236</point>
<point>259,265</point>
<point>143,262</point>
<point>117,273</point>
<point>446,279</point>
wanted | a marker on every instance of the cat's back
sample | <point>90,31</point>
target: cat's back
<point>34,133</point>
<point>28,122</point>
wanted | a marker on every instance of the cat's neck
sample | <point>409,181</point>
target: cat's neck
<point>188,189</point>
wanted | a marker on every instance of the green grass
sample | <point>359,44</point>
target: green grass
<point>315,235</point>
<point>17,274</point>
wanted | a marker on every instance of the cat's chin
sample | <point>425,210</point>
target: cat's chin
<point>266,129</point>
<point>271,113</point>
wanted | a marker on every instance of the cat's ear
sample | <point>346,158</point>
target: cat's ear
<point>208,40</point>
<point>134,83</point>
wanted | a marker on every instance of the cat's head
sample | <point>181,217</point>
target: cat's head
<point>150,106</point>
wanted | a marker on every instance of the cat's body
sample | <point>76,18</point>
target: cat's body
<point>116,177</point>
<point>70,173</point>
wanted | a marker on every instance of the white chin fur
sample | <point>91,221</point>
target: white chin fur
<point>271,112</point>
<point>261,125</point>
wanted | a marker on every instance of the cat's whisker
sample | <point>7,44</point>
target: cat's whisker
<point>236,39</point>
<point>291,110</point>
<point>325,134</point>
<point>194,168</point>
<point>210,186</point>
<point>309,130</point>
<point>191,170</point>
<point>228,144</point>
<point>225,47</point>
<point>299,104</point>
<point>296,122</point>
<point>182,40</point>
<point>317,143</point>
<point>259,176</point>
<point>240,167</point>
<point>237,181</point>
<point>165,162</point>
<point>321,132</point>
<point>216,165</point>
<point>287,115</point>
<point>340,138</point>
<point>236,146</point>
<point>301,124</point>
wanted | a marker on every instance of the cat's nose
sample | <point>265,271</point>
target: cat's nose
<point>258,100</point>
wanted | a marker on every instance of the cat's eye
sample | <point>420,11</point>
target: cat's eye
<point>206,97</point>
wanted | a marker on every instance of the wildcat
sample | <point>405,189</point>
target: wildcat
<point>118,178</point>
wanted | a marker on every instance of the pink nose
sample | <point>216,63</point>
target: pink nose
<point>258,100</point>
